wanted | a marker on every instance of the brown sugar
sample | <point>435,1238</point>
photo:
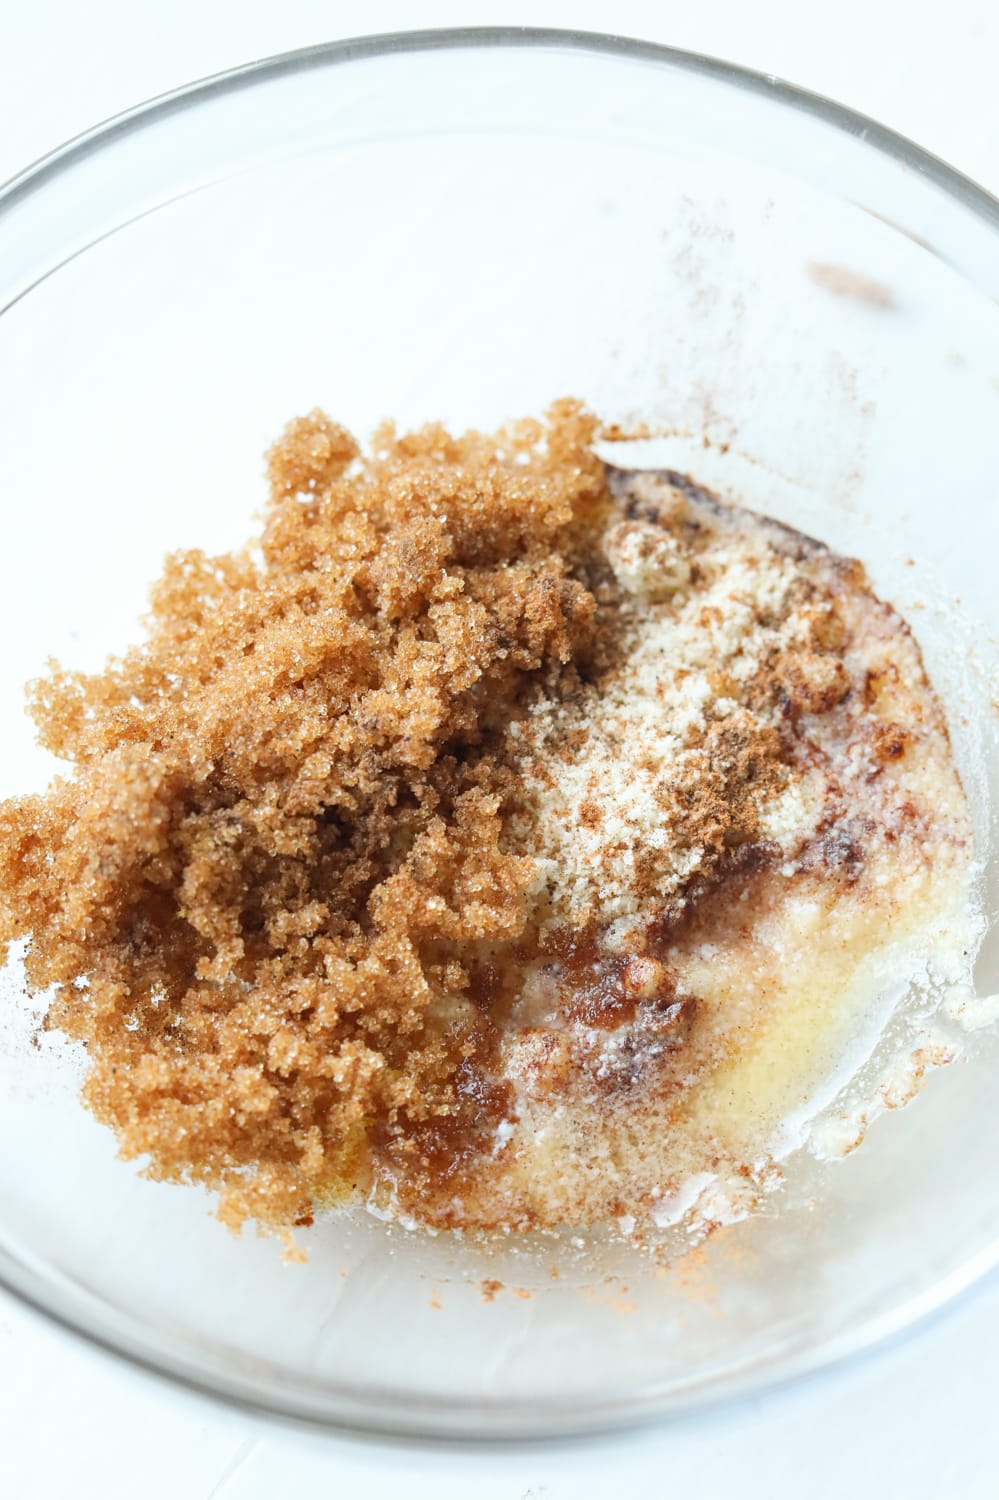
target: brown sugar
<point>495,839</point>
<point>251,898</point>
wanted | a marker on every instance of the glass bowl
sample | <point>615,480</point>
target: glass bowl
<point>466,225</point>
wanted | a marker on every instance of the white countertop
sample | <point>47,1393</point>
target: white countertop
<point>915,1419</point>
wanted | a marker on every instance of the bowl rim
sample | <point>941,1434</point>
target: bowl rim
<point>880,138</point>
<point>398,1413</point>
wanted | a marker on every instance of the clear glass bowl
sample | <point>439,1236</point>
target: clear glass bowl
<point>465,226</point>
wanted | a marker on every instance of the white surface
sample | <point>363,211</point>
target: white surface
<point>915,1419</point>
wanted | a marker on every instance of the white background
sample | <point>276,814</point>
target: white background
<point>916,1419</point>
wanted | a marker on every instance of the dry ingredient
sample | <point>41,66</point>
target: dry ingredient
<point>504,838</point>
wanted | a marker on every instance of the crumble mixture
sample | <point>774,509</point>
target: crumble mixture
<point>504,838</point>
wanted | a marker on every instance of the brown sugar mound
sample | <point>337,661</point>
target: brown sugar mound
<point>282,831</point>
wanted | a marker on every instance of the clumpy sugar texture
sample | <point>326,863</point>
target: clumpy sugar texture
<point>498,838</point>
<point>253,893</point>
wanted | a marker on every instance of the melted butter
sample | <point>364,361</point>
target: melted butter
<point>817,974</point>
